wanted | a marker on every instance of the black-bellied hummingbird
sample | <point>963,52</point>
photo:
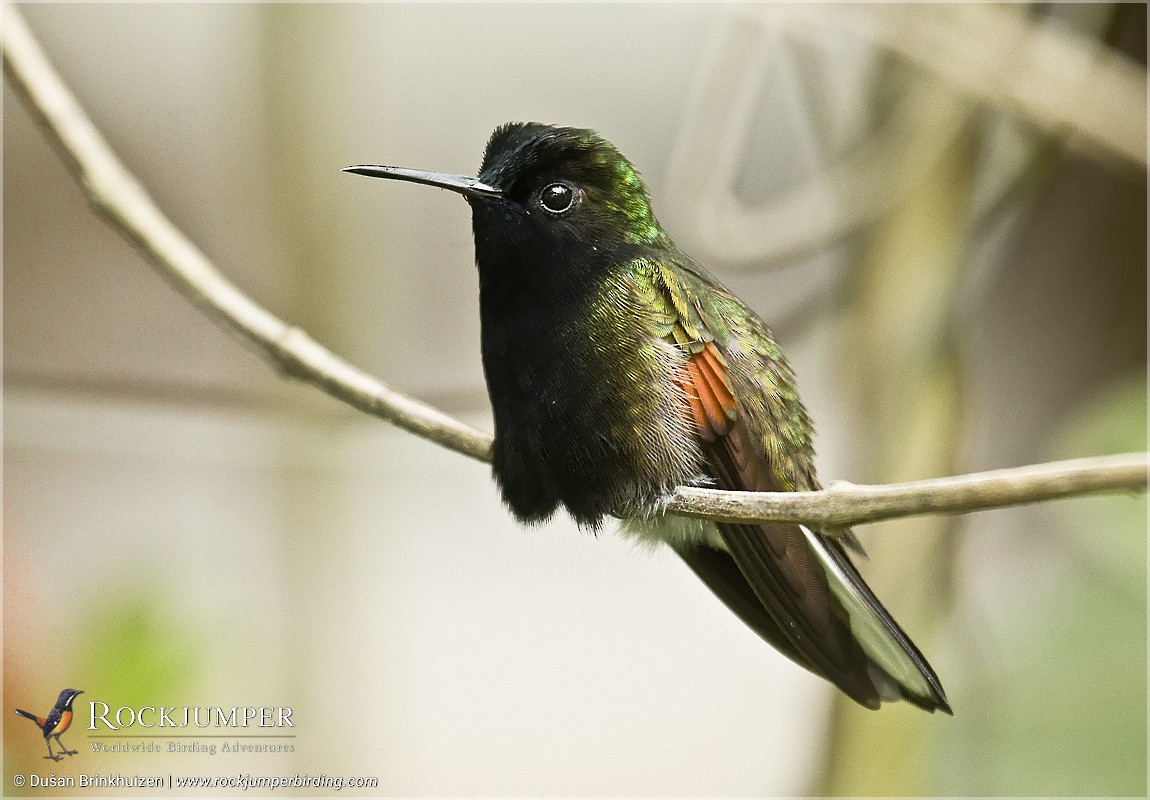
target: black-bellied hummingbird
<point>619,369</point>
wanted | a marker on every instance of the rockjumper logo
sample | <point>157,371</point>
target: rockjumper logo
<point>189,716</point>
<point>57,721</point>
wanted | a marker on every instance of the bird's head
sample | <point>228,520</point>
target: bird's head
<point>569,180</point>
<point>548,189</point>
<point>67,697</point>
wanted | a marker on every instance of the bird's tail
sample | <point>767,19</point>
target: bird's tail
<point>32,717</point>
<point>896,667</point>
<point>816,608</point>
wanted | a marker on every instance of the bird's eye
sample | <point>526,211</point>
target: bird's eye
<point>557,198</point>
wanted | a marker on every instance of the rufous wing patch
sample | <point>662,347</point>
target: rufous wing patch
<point>707,386</point>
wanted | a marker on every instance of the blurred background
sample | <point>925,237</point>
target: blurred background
<point>941,210</point>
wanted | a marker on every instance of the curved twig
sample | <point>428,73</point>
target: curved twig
<point>118,195</point>
<point>843,503</point>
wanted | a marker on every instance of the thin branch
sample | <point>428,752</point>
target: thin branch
<point>843,503</point>
<point>117,195</point>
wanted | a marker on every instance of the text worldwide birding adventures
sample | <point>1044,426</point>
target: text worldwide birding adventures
<point>619,369</point>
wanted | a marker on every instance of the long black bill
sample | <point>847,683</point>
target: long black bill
<point>468,187</point>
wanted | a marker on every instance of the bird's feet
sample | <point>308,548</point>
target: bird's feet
<point>54,758</point>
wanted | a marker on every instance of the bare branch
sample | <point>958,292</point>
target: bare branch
<point>843,503</point>
<point>117,195</point>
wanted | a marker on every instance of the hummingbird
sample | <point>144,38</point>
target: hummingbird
<point>619,369</point>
